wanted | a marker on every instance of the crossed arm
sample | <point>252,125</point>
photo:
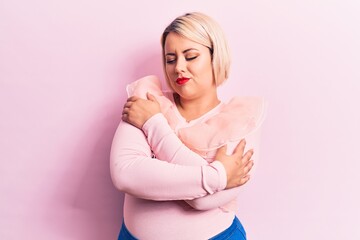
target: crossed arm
<point>166,145</point>
<point>194,171</point>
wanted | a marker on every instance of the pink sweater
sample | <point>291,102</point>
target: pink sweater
<point>180,193</point>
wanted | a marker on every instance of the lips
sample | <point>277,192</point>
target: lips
<point>182,80</point>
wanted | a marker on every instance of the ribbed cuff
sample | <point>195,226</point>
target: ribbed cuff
<point>214,177</point>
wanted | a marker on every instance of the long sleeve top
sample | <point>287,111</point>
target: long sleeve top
<point>174,189</point>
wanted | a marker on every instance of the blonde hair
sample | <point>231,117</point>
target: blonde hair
<point>202,29</point>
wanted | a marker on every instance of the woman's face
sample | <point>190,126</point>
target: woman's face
<point>188,67</point>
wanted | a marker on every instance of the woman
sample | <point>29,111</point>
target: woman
<point>180,156</point>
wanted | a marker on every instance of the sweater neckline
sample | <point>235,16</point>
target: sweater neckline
<point>211,112</point>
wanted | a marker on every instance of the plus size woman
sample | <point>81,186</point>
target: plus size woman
<point>181,156</point>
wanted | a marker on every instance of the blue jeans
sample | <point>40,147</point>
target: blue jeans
<point>125,234</point>
<point>234,232</point>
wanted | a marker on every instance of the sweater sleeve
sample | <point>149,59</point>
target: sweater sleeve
<point>167,146</point>
<point>135,172</point>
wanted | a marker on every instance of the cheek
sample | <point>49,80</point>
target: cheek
<point>170,75</point>
<point>170,84</point>
<point>204,68</point>
<point>208,73</point>
<point>204,64</point>
<point>169,69</point>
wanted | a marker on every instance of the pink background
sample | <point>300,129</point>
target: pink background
<point>63,70</point>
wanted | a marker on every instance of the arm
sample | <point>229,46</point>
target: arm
<point>138,111</point>
<point>167,146</point>
<point>135,172</point>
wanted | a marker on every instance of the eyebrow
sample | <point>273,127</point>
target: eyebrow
<point>185,51</point>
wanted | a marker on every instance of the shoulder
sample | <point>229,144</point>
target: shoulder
<point>143,85</point>
<point>152,84</point>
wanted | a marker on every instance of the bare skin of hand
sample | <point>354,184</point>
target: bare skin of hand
<point>137,111</point>
<point>237,165</point>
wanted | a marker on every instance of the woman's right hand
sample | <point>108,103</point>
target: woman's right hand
<point>137,111</point>
<point>237,165</point>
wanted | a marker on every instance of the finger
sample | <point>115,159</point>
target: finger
<point>248,166</point>
<point>247,156</point>
<point>151,97</point>
<point>128,104</point>
<point>125,110</point>
<point>222,150</point>
<point>124,117</point>
<point>239,150</point>
<point>132,99</point>
<point>244,180</point>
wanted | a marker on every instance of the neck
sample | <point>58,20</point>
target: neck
<point>191,109</point>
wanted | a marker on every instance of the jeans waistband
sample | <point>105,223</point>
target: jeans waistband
<point>235,231</point>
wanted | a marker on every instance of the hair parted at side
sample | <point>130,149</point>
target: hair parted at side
<point>204,30</point>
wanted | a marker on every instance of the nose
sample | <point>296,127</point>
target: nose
<point>180,66</point>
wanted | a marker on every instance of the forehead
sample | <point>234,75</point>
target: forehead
<point>174,43</point>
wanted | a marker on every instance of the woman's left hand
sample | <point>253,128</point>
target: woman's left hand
<point>137,111</point>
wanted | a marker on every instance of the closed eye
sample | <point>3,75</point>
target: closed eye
<point>191,58</point>
<point>170,61</point>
